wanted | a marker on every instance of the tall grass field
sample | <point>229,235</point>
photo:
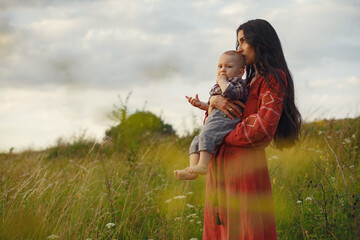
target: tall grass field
<point>123,187</point>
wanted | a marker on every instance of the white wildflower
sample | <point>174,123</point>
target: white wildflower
<point>308,199</point>
<point>53,236</point>
<point>333,179</point>
<point>299,202</point>
<point>149,193</point>
<point>192,220</point>
<point>190,206</point>
<point>168,201</point>
<point>353,136</point>
<point>189,193</point>
<point>321,132</point>
<point>177,218</point>
<point>352,166</point>
<point>180,197</point>
<point>346,140</point>
<point>110,225</point>
<point>198,222</point>
<point>274,158</point>
<point>319,151</point>
<point>191,215</point>
<point>193,239</point>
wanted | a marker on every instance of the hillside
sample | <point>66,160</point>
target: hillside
<point>124,187</point>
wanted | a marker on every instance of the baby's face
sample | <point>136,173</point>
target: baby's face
<point>230,66</point>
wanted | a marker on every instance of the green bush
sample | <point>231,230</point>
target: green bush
<point>139,128</point>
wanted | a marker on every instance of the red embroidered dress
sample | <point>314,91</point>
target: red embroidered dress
<point>239,203</point>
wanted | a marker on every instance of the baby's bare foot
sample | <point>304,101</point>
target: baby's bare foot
<point>184,175</point>
<point>198,169</point>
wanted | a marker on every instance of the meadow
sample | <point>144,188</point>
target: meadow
<point>123,186</point>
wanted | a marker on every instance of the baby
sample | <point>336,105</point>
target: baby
<point>217,125</point>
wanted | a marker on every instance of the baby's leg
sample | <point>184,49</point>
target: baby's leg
<point>202,166</point>
<point>185,175</point>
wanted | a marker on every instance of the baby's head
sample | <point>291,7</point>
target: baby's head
<point>231,64</point>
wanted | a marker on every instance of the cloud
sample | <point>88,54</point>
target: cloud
<point>109,42</point>
<point>160,71</point>
<point>4,4</point>
<point>6,37</point>
<point>321,83</point>
<point>329,98</point>
<point>76,56</point>
<point>321,31</point>
<point>350,82</point>
<point>39,116</point>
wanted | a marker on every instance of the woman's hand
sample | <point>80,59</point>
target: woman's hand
<point>229,108</point>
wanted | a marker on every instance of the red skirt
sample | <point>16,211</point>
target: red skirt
<point>239,203</point>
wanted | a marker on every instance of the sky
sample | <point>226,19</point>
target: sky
<point>65,64</point>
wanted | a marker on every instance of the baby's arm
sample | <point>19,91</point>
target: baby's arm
<point>235,89</point>
<point>197,103</point>
<point>223,82</point>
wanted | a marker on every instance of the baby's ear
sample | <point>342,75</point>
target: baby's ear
<point>241,72</point>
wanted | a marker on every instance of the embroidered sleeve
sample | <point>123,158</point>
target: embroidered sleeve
<point>259,128</point>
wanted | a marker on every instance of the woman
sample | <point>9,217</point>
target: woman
<point>239,202</point>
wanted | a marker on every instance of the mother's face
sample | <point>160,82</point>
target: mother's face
<point>246,49</point>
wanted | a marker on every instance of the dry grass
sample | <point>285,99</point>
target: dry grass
<point>109,194</point>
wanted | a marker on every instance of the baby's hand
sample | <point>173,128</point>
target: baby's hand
<point>194,101</point>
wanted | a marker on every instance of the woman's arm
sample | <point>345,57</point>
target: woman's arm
<point>223,104</point>
<point>258,129</point>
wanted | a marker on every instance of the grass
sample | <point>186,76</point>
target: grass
<point>76,198</point>
<point>89,190</point>
<point>316,184</point>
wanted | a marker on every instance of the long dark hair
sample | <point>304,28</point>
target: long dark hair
<point>270,60</point>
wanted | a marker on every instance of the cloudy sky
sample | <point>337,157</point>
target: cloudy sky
<point>64,64</point>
